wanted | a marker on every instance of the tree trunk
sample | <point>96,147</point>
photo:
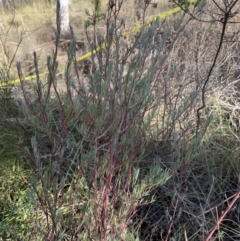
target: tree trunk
<point>64,13</point>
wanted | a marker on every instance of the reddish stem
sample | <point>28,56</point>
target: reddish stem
<point>223,216</point>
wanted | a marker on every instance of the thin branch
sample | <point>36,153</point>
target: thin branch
<point>237,195</point>
<point>224,26</point>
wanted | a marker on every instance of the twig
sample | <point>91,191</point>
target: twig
<point>237,195</point>
<point>227,14</point>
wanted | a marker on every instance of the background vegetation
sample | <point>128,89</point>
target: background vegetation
<point>138,142</point>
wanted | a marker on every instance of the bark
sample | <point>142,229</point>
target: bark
<point>64,11</point>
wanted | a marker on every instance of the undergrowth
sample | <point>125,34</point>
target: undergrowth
<point>144,145</point>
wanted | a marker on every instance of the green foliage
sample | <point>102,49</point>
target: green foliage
<point>96,15</point>
<point>87,143</point>
<point>11,132</point>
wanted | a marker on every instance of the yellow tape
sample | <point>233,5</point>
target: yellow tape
<point>103,46</point>
<point>161,16</point>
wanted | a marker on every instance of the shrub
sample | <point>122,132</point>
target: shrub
<point>87,142</point>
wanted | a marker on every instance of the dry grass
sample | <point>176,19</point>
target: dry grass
<point>32,25</point>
